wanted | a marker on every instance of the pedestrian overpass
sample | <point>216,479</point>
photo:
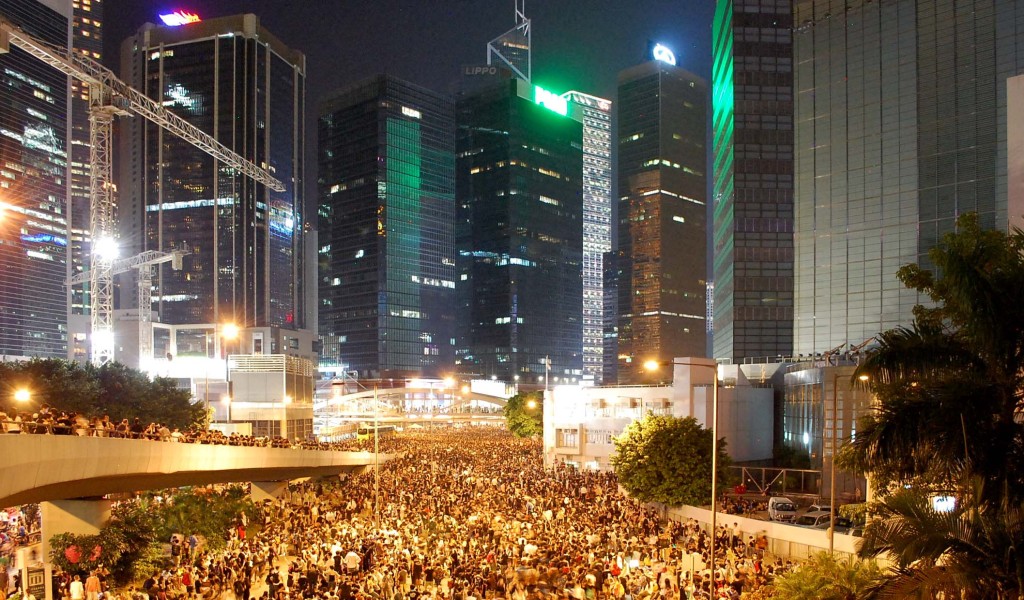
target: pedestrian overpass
<point>39,468</point>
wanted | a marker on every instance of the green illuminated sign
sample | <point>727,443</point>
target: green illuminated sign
<point>550,100</point>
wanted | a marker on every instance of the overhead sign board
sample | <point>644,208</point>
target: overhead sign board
<point>179,17</point>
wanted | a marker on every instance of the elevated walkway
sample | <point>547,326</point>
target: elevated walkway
<point>40,468</point>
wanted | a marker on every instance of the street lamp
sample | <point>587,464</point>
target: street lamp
<point>835,449</point>
<point>22,395</point>
<point>653,365</point>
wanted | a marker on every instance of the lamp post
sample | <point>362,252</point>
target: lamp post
<point>376,459</point>
<point>832,466</point>
<point>284,416</point>
<point>653,365</point>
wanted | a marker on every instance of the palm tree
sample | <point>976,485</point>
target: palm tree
<point>949,389</point>
<point>950,385</point>
<point>967,553</point>
<point>824,577</point>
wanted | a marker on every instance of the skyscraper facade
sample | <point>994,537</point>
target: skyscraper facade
<point>662,221</point>
<point>34,190</point>
<point>752,130</point>
<point>519,235</point>
<point>387,210</point>
<point>234,80</point>
<point>595,114</point>
<point>901,112</point>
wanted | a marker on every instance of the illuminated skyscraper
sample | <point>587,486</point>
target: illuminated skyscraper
<point>519,235</point>
<point>34,190</point>
<point>662,215</point>
<point>387,211</point>
<point>901,126</point>
<point>595,114</point>
<point>234,80</point>
<point>752,80</point>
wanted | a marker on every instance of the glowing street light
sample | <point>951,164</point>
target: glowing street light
<point>22,395</point>
<point>229,331</point>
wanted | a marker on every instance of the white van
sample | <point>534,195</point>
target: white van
<point>781,508</point>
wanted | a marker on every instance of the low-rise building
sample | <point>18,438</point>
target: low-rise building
<point>581,422</point>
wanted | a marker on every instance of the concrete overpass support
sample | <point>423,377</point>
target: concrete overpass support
<point>81,517</point>
<point>267,490</point>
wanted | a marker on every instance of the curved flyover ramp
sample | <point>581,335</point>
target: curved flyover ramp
<point>39,468</point>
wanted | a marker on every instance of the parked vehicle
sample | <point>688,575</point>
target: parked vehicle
<point>821,507</point>
<point>781,508</point>
<point>815,520</point>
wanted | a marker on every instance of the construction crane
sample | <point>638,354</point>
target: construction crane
<point>143,263</point>
<point>109,97</point>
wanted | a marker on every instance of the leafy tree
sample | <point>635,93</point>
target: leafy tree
<point>824,577</point>
<point>524,414</point>
<point>112,389</point>
<point>668,460</point>
<point>128,393</point>
<point>132,544</point>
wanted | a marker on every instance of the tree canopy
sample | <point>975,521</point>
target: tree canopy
<point>668,460</point>
<point>949,389</point>
<point>524,414</point>
<point>112,389</point>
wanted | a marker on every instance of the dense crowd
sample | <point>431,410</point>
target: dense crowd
<point>51,422</point>
<point>466,515</point>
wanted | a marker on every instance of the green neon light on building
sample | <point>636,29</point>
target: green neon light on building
<point>550,100</point>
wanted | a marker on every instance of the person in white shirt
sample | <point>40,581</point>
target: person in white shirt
<point>77,589</point>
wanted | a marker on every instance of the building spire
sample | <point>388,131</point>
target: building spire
<point>512,48</point>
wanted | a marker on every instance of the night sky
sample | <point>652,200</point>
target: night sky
<point>577,44</point>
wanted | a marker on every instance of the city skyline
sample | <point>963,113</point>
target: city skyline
<point>576,45</point>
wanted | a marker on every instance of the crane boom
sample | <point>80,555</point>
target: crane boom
<point>108,98</point>
<point>128,98</point>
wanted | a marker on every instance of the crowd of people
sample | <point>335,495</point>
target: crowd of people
<point>51,422</point>
<point>466,515</point>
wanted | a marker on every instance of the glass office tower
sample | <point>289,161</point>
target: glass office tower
<point>596,115</point>
<point>519,235</point>
<point>387,210</point>
<point>234,80</point>
<point>34,190</point>
<point>752,82</point>
<point>662,217</point>
<point>901,116</point>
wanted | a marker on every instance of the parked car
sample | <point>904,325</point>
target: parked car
<point>814,520</point>
<point>821,507</point>
<point>781,508</point>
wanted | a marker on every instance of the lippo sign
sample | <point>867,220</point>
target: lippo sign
<point>475,70</point>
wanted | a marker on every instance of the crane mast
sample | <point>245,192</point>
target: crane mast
<point>109,97</point>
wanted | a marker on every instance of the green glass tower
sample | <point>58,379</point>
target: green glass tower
<point>519,234</point>
<point>752,127</point>
<point>387,257</point>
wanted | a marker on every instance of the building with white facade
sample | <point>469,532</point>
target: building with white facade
<point>581,422</point>
<point>596,115</point>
